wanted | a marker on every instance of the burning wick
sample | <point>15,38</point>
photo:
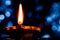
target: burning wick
<point>20,15</point>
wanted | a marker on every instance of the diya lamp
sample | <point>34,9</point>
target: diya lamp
<point>20,22</point>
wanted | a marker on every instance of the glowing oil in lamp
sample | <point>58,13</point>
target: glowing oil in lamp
<point>14,27</point>
<point>8,28</point>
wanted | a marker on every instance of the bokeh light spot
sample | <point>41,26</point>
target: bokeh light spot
<point>8,2</point>
<point>2,17</point>
<point>49,19</point>
<point>10,24</point>
<point>39,8</point>
<point>7,14</point>
<point>46,36</point>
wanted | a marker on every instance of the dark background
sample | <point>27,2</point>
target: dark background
<point>29,6</point>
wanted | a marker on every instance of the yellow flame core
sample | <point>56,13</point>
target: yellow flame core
<point>20,15</point>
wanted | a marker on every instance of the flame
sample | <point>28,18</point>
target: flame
<point>20,15</point>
